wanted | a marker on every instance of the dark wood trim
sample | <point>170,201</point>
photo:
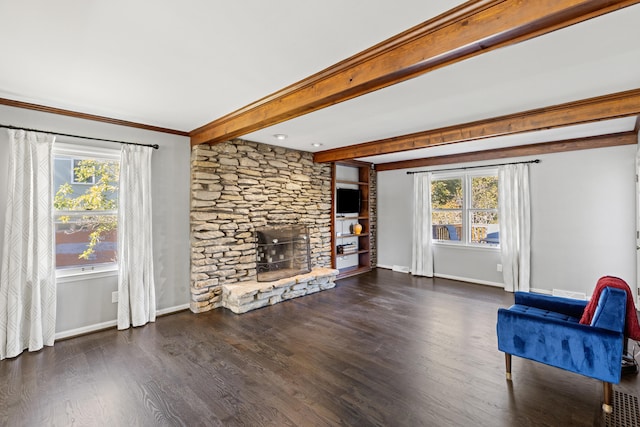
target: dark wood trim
<point>612,140</point>
<point>356,163</point>
<point>470,29</point>
<point>636,129</point>
<point>621,104</point>
<point>85,116</point>
<point>334,261</point>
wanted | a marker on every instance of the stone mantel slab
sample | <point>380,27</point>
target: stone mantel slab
<point>241,297</point>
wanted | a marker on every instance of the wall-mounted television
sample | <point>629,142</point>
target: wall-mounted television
<point>347,200</point>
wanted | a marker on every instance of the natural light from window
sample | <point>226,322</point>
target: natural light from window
<point>85,208</point>
<point>465,208</point>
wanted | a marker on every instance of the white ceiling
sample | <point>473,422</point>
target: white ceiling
<point>180,65</point>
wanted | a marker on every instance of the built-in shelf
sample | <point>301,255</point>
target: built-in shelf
<point>350,218</point>
<point>344,236</point>
<point>360,259</point>
<point>342,181</point>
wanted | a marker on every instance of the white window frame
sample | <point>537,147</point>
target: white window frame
<point>450,176</point>
<point>466,177</point>
<point>81,152</point>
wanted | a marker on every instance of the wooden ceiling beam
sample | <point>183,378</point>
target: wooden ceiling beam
<point>472,28</point>
<point>617,105</point>
<point>601,141</point>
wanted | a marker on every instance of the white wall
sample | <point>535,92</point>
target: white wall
<point>395,207</point>
<point>86,304</point>
<point>583,223</point>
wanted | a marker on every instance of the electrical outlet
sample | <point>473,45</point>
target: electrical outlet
<point>499,267</point>
<point>114,296</point>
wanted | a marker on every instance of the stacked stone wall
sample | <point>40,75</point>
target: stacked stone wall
<point>247,296</point>
<point>239,185</point>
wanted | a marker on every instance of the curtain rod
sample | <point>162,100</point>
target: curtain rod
<point>155,146</point>
<point>475,167</point>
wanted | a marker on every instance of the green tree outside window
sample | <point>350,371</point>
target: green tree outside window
<point>101,196</point>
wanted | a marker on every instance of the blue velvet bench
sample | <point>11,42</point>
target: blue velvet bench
<point>546,329</point>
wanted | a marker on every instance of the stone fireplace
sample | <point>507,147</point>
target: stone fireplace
<point>237,187</point>
<point>282,251</point>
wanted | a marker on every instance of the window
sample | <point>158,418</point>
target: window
<point>465,208</point>
<point>447,208</point>
<point>85,208</point>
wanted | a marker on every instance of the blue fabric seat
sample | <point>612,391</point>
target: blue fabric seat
<point>546,329</point>
<point>543,313</point>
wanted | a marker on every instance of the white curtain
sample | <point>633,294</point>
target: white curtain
<point>422,252</point>
<point>136,289</point>
<point>515,226</point>
<point>27,278</point>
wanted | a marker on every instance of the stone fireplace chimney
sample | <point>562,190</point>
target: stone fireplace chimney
<point>237,187</point>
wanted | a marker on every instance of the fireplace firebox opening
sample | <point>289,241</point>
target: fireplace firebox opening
<point>282,251</point>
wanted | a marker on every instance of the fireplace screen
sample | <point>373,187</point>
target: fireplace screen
<point>282,251</point>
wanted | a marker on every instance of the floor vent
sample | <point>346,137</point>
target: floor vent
<point>625,411</point>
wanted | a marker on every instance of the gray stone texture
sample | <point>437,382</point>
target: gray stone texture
<point>237,186</point>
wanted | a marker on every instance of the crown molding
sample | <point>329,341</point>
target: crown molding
<point>85,116</point>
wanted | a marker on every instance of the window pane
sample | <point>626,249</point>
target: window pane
<point>83,174</point>
<point>447,225</point>
<point>83,240</point>
<point>86,203</point>
<point>484,192</point>
<point>446,193</point>
<point>102,195</point>
<point>484,227</point>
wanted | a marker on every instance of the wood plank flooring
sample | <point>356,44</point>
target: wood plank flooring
<point>380,349</point>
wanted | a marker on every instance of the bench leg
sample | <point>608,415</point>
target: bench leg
<point>507,362</point>
<point>608,397</point>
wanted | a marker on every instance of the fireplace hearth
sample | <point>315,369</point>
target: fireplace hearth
<point>282,251</point>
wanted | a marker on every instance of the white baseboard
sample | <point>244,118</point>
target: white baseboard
<point>540,291</point>
<point>460,279</point>
<point>112,323</point>
<point>173,309</point>
<point>396,268</point>
<point>548,292</point>
<point>401,269</point>
<point>86,329</point>
<point>469,280</point>
<point>569,294</point>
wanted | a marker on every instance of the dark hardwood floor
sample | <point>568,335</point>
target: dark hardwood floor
<point>383,348</point>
